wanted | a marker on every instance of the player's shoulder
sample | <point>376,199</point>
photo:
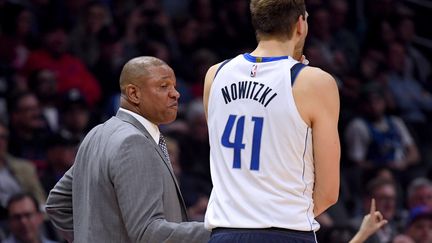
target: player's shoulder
<point>316,79</point>
<point>317,75</point>
<point>213,70</point>
<point>219,65</point>
<point>215,66</point>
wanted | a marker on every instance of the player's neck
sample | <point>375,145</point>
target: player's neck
<point>269,48</point>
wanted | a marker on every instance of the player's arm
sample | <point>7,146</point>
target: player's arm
<point>317,97</point>
<point>326,145</point>
<point>208,81</point>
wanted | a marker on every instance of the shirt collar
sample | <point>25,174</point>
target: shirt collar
<point>152,128</point>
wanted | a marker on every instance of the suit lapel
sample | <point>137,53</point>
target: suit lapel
<point>130,119</point>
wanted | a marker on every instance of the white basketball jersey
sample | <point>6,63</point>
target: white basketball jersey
<point>261,157</point>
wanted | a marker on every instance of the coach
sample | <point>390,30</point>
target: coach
<point>121,187</point>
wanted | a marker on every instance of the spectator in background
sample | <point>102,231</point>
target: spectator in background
<point>17,37</point>
<point>420,193</point>
<point>385,194</point>
<point>376,139</point>
<point>159,50</point>
<point>109,63</point>
<point>371,223</point>
<point>28,128</point>
<point>157,27</point>
<point>349,91</point>
<point>187,33</point>
<point>379,9</point>
<point>84,40</point>
<point>16,40</point>
<point>194,147</point>
<point>75,115</point>
<point>237,33</point>
<point>16,175</point>
<point>402,238</point>
<point>25,220</point>
<point>205,14</point>
<point>195,181</point>
<point>61,151</point>
<point>338,10</point>
<point>70,11</point>
<point>380,35</point>
<point>44,85</point>
<point>326,51</point>
<point>419,226</point>
<point>202,60</point>
<point>133,22</point>
<point>70,71</point>
<point>195,192</point>
<point>45,10</point>
<point>417,67</point>
<point>413,102</point>
<point>372,65</point>
<point>336,234</point>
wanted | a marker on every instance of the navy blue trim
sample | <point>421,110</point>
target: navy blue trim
<point>303,172</point>
<point>251,58</point>
<point>295,71</point>
<point>219,68</point>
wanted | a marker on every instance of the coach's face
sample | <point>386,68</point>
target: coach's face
<point>158,95</point>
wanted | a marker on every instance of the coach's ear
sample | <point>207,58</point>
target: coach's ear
<point>132,93</point>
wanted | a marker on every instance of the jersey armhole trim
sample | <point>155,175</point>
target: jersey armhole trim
<point>219,68</point>
<point>295,69</point>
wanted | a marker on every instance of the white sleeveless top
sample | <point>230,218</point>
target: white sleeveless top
<point>261,157</point>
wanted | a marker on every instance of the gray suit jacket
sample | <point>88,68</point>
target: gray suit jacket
<point>121,188</point>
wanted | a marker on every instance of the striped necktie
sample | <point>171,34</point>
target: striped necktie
<point>163,147</point>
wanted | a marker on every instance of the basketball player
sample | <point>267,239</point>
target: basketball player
<point>273,135</point>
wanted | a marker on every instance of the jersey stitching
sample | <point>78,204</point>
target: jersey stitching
<point>304,164</point>
<point>219,68</point>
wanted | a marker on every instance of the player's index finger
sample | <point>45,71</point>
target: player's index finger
<point>373,207</point>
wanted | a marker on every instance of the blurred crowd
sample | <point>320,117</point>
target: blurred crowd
<point>60,62</point>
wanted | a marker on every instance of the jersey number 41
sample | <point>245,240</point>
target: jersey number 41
<point>238,144</point>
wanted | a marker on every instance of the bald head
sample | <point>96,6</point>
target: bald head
<point>137,68</point>
<point>148,89</point>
